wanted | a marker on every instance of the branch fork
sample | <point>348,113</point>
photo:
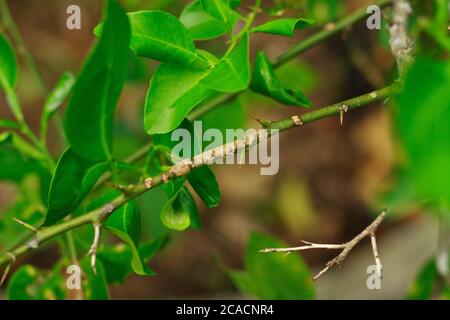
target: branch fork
<point>346,247</point>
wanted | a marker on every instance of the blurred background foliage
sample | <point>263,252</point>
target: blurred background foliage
<point>332,179</point>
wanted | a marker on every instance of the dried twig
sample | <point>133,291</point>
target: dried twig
<point>346,247</point>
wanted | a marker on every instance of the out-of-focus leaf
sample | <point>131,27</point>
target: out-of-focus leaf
<point>324,11</point>
<point>9,124</point>
<point>29,283</point>
<point>117,259</point>
<point>265,82</point>
<point>273,276</point>
<point>232,73</point>
<point>219,9</point>
<point>422,121</point>
<point>429,284</point>
<point>8,64</point>
<point>94,285</point>
<point>8,75</point>
<point>201,25</point>
<point>56,98</point>
<point>59,93</point>
<point>174,91</point>
<point>283,27</point>
<point>16,162</point>
<point>73,179</point>
<point>90,114</point>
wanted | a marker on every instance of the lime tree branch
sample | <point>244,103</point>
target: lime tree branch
<point>97,216</point>
<point>317,38</point>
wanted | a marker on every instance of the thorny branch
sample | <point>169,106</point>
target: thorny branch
<point>346,247</point>
<point>96,217</point>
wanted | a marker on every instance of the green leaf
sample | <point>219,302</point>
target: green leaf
<point>422,121</point>
<point>265,82</point>
<point>90,114</point>
<point>273,276</point>
<point>118,259</point>
<point>180,211</point>
<point>9,124</point>
<point>73,180</point>
<point>59,93</point>
<point>422,288</point>
<point>219,9</point>
<point>8,64</point>
<point>126,224</point>
<point>174,91</point>
<point>204,182</point>
<point>232,73</point>
<point>202,25</point>
<point>202,179</point>
<point>429,284</point>
<point>160,36</point>
<point>8,76</point>
<point>15,165</point>
<point>30,283</point>
<point>94,285</point>
<point>283,27</point>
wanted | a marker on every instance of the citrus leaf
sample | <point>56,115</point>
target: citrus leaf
<point>219,9</point>
<point>73,179</point>
<point>90,114</point>
<point>202,25</point>
<point>125,223</point>
<point>283,27</point>
<point>422,121</point>
<point>8,63</point>
<point>174,91</point>
<point>232,73</point>
<point>59,93</point>
<point>266,83</point>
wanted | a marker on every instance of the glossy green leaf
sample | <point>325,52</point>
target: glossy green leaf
<point>265,82</point>
<point>73,179</point>
<point>204,182</point>
<point>126,224</point>
<point>174,91</point>
<point>8,63</point>
<point>202,25</point>
<point>90,114</point>
<point>422,121</point>
<point>273,276</point>
<point>283,27</point>
<point>59,93</point>
<point>232,73</point>
<point>160,36</point>
<point>219,9</point>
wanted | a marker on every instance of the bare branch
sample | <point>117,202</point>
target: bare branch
<point>347,247</point>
